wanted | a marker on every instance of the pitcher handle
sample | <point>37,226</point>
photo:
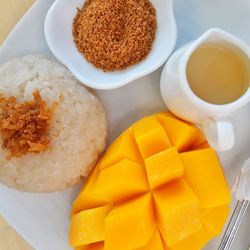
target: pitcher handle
<point>219,133</point>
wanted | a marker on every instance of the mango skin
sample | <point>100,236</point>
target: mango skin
<point>158,187</point>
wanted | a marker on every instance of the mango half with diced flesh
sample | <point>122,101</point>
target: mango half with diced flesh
<point>159,186</point>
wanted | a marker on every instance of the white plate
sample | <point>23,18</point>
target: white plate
<point>43,219</point>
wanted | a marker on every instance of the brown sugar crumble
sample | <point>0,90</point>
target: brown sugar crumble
<point>115,34</point>
<point>24,126</point>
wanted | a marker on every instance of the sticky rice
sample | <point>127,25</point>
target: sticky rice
<point>77,131</point>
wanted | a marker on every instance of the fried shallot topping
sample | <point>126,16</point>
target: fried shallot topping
<point>24,126</point>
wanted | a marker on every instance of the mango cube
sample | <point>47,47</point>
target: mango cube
<point>124,147</point>
<point>130,225</point>
<point>214,219</point>
<point>178,212</point>
<point>163,167</point>
<point>87,198</point>
<point>194,242</point>
<point>200,142</point>
<point>204,174</point>
<point>92,220</point>
<point>181,134</point>
<point>203,145</point>
<point>155,242</point>
<point>121,181</point>
<point>150,136</point>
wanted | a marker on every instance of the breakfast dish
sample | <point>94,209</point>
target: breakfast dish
<point>48,214</point>
<point>52,129</point>
<point>149,191</point>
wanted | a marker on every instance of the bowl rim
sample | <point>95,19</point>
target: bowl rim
<point>119,83</point>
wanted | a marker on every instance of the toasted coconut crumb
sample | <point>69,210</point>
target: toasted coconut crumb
<point>24,126</point>
<point>115,34</point>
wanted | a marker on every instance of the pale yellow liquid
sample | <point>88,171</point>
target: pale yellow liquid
<point>218,73</point>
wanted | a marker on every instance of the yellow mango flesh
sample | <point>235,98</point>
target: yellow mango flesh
<point>87,198</point>
<point>204,175</point>
<point>163,167</point>
<point>194,242</point>
<point>178,211</point>
<point>158,187</point>
<point>214,219</point>
<point>92,221</point>
<point>130,180</point>
<point>181,134</point>
<point>124,147</point>
<point>93,246</point>
<point>150,136</point>
<point>155,242</point>
<point>130,225</point>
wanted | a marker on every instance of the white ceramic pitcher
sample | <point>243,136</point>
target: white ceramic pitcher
<point>180,99</point>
